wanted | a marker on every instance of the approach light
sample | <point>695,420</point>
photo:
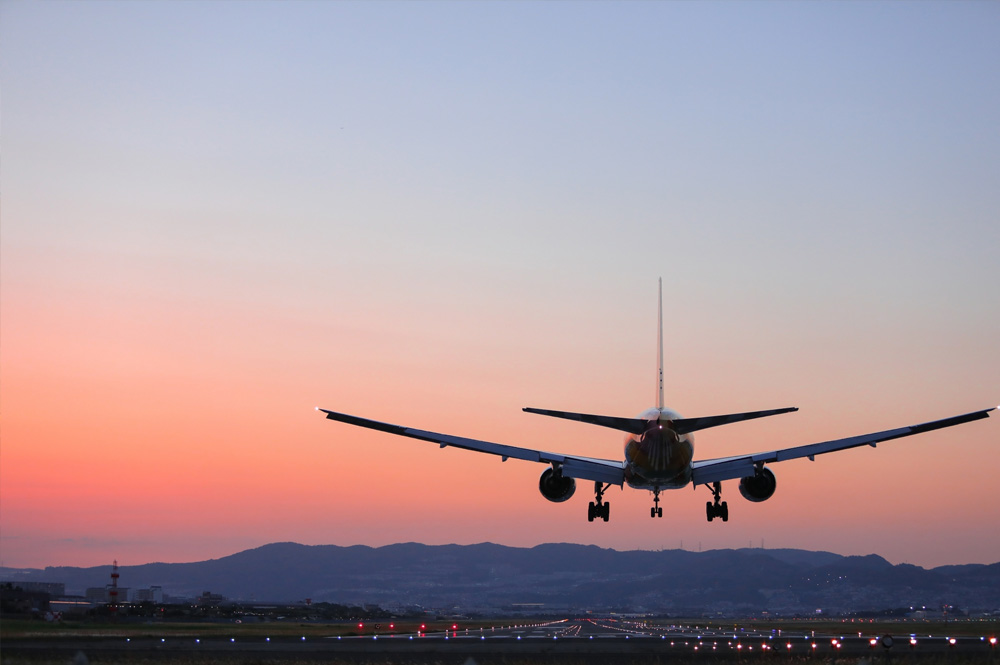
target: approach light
<point>993,641</point>
<point>952,641</point>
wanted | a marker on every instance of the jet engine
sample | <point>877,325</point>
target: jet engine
<point>758,487</point>
<point>554,486</point>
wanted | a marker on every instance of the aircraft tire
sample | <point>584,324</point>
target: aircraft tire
<point>724,513</point>
<point>708,511</point>
<point>606,512</point>
<point>591,512</point>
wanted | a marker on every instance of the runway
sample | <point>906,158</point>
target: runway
<point>607,637</point>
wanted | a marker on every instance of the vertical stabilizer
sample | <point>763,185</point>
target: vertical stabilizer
<point>659,350</point>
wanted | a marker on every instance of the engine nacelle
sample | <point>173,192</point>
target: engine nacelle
<point>758,487</point>
<point>554,486</point>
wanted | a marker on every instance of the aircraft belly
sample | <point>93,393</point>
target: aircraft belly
<point>658,459</point>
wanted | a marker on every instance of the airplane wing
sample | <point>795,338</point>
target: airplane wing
<point>727,468</point>
<point>573,466</point>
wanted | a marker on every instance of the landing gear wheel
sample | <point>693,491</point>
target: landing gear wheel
<point>656,511</point>
<point>599,508</point>
<point>717,508</point>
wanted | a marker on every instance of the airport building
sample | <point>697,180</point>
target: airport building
<point>153,594</point>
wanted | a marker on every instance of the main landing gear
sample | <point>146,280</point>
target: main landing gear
<point>599,508</point>
<point>717,508</point>
<point>656,511</point>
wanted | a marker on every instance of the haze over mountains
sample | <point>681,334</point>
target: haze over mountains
<point>487,577</point>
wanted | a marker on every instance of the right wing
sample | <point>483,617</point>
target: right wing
<point>573,466</point>
<point>741,466</point>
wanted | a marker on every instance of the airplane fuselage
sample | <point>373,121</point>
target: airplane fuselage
<point>658,458</point>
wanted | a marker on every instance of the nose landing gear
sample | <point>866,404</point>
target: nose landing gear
<point>717,507</point>
<point>599,508</point>
<point>656,511</point>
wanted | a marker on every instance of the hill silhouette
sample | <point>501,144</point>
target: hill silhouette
<point>488,577</point>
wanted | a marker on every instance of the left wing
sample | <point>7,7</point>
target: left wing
<point>727,468</point>
<point>585,468</point>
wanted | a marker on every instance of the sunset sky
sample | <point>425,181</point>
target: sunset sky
<point>217,216</point>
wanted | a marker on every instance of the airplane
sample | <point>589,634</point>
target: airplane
<point>659,451</point>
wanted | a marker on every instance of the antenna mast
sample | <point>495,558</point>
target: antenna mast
<point>113,591</point>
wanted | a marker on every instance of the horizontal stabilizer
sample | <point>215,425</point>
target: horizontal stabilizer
<point>639,425</point>
<point>633,425</point>
<point>688,425</point>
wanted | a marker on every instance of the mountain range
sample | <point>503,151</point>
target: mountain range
<point>552,577</point>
